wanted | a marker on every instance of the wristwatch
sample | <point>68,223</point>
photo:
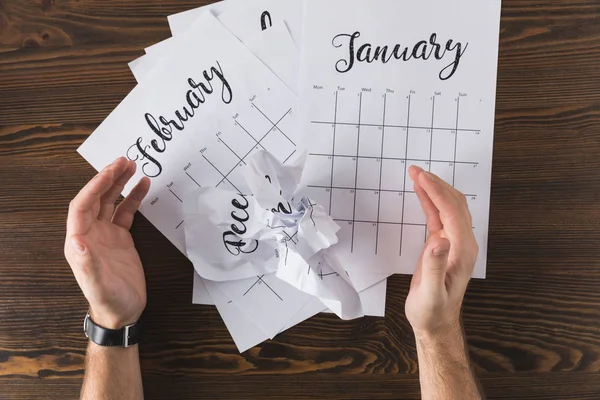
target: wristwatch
<point>127,336</point>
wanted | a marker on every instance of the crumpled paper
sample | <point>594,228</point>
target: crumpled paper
<point>269,229</point>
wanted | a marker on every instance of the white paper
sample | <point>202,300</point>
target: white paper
<point>200,294</point>
<point>284,62</point>
<point>269,229</point>
<point>245,327</point>
<point>159,49</point>
<point>246,18</point>
<point>426,114</point>
<point>211,244</point>
<point>141,67</point>
<point>310,309</point>
<point>327,280</point>
<point>250,111</point>
<point>181,22</point>
<point>275,47</point>
<point>245,333</point>
<point>266,300</point>
<point>275,43</point>
<point>373,300</point>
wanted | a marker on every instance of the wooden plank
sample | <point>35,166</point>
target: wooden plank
<point>532,325</point>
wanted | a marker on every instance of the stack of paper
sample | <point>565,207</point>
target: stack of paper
<point>330,101</point>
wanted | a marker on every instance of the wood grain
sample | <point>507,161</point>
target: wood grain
<point>533,326</point>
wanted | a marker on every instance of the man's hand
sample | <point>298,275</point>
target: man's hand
<point>437,290</point>
<point>446,264</point>
<point>100,248</point>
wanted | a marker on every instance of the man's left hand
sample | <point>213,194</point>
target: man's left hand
<point>100,249</point>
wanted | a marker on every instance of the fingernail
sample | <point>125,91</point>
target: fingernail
<point>439,252</point>
<point>78,247</point>
<point>442,249</point>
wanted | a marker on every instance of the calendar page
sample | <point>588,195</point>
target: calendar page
<point>387,84</point>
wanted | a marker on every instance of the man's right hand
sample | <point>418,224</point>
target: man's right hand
<point>443,272</point>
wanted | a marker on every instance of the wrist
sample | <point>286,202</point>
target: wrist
<point>109,321</point>
<point>124,336</point>
<point>441,337</point>
<point>94,348</point>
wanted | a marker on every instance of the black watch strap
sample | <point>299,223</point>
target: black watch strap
<point>125,337</point>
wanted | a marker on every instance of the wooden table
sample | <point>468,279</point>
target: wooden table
<point>533,326</point>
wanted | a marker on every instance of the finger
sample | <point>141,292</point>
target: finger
<point>107,201</point>
<point>435,261</point>
<point>91,193</point>
<point>84,208</point>
<point>126,210</point>
<point>432,214</point>
<point>461,201</point>
<point>449,188</point>
<point>414,172</point>
<point>452,214</point>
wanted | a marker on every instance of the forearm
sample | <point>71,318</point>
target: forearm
<point>112,373</point>
<point>444,367</point>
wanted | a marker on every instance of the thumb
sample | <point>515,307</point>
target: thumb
<point>435,259</point>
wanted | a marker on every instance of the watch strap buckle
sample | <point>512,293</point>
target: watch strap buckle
<point>126,335</point>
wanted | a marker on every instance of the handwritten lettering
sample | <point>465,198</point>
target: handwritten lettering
<point>152,168</point>
<point>163,128</point>
<point>280,207</point>
<point>423,50</point>
<point>266,16</point>
<point>233,243</point>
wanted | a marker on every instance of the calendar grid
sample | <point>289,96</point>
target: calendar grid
<point>177,197</point>
<point>379,222</point>
<point>333,149</point>
<point>431,132</point>
<point>356,173</point>
<point>275,123</point>
<point>380,173</point>
<point>431,144</point>
<point>192,178</point>
<point>436,128</point>
<point>290,156</point>
<point>354,210</point>
<point>261,281</point>
<point>225,174</point>
<point>373,190</point>
<point>258,142</point>
<point>396,159</point>
<point>405,168</point>
<point>455,140</point>
<point>234,153</point>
